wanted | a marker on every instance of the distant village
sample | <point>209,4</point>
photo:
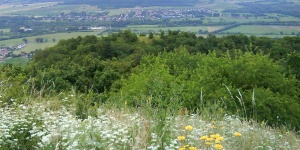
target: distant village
<point>7,52</point>
<point>136,14</point>
<point>4,53</point>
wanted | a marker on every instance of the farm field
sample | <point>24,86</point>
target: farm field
<point>5,30</point>
<point>16,9</point>
<point>156,29</point>
<point>112,12</point>
<point>264,30</point>
<point>242,19</point>
<point>33,45</point>
<point>219,5</point>
<point>57,9</point>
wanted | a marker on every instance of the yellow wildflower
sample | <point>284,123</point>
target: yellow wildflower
<point>215,136</point>
<point>218,146</point>
<point>181,138</point>
<point>220,138</point>
<point>188,128</point>
<point>208,143</point>
<point>182,148</point>
<point>237,134</point>
<point>217,141</point>
<point>193,148</point>
<point>203,137</point>
<point>209,139</point>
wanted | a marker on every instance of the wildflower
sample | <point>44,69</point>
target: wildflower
<point>182,148</point>
<point>203,137</point>
<point>217,141</point>
<point>208,143</point>
<point>220,138</point>
<point>218,146</point>
<point>181,138</point>
<point>188,128</point>
<point>209,139</point>
<point>237,134</point>
<point>193,148</point>
<point>215,136</point>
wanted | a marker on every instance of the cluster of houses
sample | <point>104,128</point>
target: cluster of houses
<point>153,14</point>
<point>137,13</point>
<point>3,54</point>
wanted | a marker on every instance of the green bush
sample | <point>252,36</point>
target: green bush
<point>254,85</point>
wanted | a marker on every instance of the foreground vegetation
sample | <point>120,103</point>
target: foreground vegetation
<point>124,91</point>
<point>53,124</point>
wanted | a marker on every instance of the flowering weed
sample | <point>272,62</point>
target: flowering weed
<point>39,126</point>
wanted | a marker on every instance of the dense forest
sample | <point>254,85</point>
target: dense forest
<point>254,77</point>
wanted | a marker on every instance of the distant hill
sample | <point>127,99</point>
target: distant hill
<point>133,3</point>
<point>114,3</point>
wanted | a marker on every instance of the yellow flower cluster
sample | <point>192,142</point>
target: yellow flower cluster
<point>188,128</point>
<point>187,146</point>
<point>218,146</point>
<point>213,139</point>
<point>181,138</point>
<point>237,134</point>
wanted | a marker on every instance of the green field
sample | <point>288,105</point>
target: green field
<point>157,29</point>
<point>219,5</point>
<point>33,45</point>
<point>5,30</point>
<point>18,61</point>
<point>18,9</point>
<point>112,12</point>
<point>44,9</point>
<point>264,30</point>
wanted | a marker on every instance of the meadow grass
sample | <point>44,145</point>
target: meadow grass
<point>55,125</point>
<point>41,120</point>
